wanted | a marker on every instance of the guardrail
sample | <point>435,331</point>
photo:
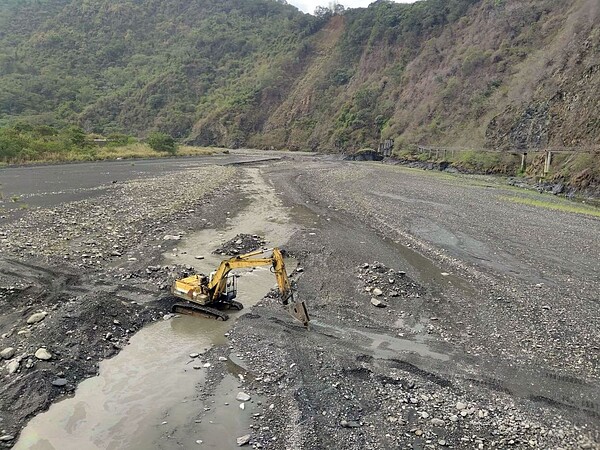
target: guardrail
<point>444,152</point>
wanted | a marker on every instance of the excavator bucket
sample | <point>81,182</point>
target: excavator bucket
<point>298,311</point>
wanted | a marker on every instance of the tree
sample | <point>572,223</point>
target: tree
<point>162,142</point>
<point>322,12</point>
<point>325,12</point>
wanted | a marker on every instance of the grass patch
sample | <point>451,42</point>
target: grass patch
<point>130,151</point>
<point>188,150</point>
<point>139,150</point>
<point>555,205</point>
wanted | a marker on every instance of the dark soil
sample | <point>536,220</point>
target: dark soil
<point>242,243</point>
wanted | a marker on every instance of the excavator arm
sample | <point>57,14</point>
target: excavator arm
<point>296,308</point>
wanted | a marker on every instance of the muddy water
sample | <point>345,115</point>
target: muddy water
<point>383,345</point>
<point>265,216</point>
<point>136,391</point>
<point>146,397</point>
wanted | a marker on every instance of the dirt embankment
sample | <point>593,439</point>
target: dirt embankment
<point>73,294</point>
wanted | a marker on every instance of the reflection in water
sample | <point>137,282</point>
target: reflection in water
<point>383,345</point>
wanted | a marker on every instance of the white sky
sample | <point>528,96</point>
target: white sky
<point>310,5</point>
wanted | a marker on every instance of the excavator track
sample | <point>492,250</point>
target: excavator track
<point>198,310</point>
<point>232,304</point>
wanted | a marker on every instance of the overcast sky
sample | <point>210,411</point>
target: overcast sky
<point>310,5</point>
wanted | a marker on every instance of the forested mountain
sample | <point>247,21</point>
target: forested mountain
<point>496,73</point>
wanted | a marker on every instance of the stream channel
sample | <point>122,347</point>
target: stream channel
<point>146,396</point>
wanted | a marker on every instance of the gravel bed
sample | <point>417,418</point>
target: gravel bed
<point>73,294</point>
<point>497,334</point>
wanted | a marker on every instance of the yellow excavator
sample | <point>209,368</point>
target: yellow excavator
<point>209,296</point>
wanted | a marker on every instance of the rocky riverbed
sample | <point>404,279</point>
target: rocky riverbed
<point>80,278</point>
<point>443,314</point>
<point>460,349</point>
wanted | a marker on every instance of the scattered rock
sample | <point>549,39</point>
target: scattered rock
<point>222,358</point>
<point>378,303</point>
<point>242,397</point>
<point>460,406</point>
<point>194,355</point>
<point>6,438</point>
<point>59,382</point>
<point>349,424</point>
<point>199,257</point>
<point>242,243</point>
<point>7,353</point>
<point>172,237</point>
<point>12,366</point>
<point>378,292</point>
<point>43,354</point>
<point>437,422</point>
<point>243,440</point>
<point>558,188</point>
<point>37,317</point>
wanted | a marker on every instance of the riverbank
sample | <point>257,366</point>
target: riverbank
<point>575,179</point>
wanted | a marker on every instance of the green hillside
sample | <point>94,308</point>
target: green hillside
<point>496,73</point>
<point>134,66</point>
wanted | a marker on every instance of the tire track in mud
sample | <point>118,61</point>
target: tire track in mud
<point>555,390</point>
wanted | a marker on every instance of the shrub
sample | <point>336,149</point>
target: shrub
<point>162,142</point>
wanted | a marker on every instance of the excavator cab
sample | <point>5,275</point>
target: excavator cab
<point>230,289</point>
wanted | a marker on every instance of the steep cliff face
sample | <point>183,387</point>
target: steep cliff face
<point>552,98</point>
<point>481,73</point>
<point>505,74</point>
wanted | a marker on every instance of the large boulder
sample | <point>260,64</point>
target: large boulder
<point>366,154</point>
